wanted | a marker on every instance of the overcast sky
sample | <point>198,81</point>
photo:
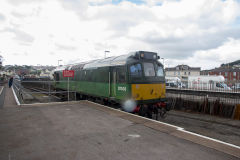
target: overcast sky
<point>199,33</point>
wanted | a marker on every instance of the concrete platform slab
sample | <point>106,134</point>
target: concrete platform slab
<point>84,130</point>
<point>9,100</point>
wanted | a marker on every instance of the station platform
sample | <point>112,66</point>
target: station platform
<point>2,96</point>
<point>9,100</point>
<point>85,130</point>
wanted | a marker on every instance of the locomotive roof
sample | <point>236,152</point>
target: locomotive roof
<point>110,61</point>
<point>60,68</point>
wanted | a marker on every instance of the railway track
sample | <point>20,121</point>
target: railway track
<point>39,95</point>
<point>223,129</point>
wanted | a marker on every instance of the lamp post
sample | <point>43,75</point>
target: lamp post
<point>59,61</point>
<point>105,53</point>
<point>163,62</point>
<point>1,61</point>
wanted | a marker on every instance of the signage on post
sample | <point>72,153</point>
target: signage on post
<point>68,73</point>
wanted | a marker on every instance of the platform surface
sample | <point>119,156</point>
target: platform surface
<point>88,131</point>
<point>2,96</point>
<point>9,100</point>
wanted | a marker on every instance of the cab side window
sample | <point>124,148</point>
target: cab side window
<point>159,70</point>
<point>121,75</point>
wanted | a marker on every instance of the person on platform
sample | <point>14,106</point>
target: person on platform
<point>10,82</point>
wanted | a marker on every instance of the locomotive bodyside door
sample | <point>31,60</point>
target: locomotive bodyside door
<point>112,82</point>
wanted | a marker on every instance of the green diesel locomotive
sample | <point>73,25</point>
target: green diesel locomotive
<point>137,77</point>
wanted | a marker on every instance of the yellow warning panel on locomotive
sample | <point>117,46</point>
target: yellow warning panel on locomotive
<point>148,91</point>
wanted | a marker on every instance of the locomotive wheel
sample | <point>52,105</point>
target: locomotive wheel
<point>143,110</point>
<point>162,112</point>
<point>156,113</point>
<point>150,111</point>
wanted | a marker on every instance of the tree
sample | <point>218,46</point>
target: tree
<point>1,59</point>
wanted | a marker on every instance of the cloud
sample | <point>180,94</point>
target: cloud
<point>157,2</point>
<point>22,2</point>
<point>183,47</point>
<point>78,6</point>
<point>69,29</point>
<point>120,18</point>
<point>52,53</point>
<point>20,35</point>
<point>18,15</point>
<point>226,52</point>
<point>178,32</point>
<point>211,58</point>
<point>2,17</point>
<point>99,2</point>
<point>20,54</point>
<point>65,47</point>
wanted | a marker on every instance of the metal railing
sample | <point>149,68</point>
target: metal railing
<point>42,91</point>
<point>203,86</point>
<point>209,98</point>
<point>201,97</point>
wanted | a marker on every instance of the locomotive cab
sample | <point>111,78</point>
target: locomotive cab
<point>147,80</point>
<point>147,77</point>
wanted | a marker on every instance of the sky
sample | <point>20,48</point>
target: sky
<point>198,33</point>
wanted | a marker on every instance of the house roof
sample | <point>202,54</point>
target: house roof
<point>225,69</point>
<point>183,68</point>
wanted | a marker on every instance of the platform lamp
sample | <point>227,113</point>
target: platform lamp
<point>59,61</point>
<point>105,52</point>
<point>163,62</point>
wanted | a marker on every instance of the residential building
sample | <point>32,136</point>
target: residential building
<point>231,74</point>
<point>182,72</point>
<point>230,71</point>
<point>46,73</point>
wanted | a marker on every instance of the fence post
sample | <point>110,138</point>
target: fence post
<point>236,112</point>
<point>49,94</point>
<point>68,89</point>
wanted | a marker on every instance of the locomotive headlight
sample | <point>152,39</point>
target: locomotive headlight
<point>129,105</point>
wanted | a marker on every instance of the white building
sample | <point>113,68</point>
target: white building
<point>46,73</point>
<point>182,72</point>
